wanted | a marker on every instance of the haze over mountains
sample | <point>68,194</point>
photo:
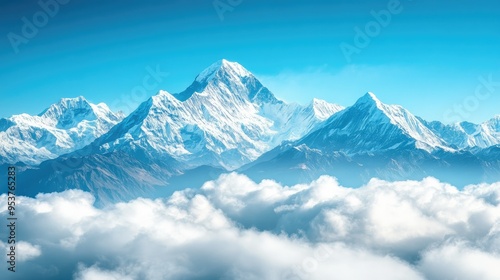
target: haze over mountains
<point>227,120</point>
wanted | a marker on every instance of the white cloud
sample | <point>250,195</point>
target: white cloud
<point>234,228</point>
<point>28,251</point>
<point>25,251</point>
<point>462,262</point>
<point>95,273</point>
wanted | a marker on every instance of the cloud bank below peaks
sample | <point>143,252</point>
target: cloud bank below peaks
<point>234,228</point>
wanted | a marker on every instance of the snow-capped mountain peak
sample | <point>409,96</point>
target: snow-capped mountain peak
<point>230,77</point>
<point>323,110</point>
<point>162,98</point>
<point>63,127</point>
<point>66,104</point>
<point>369,99</point>
<point>68,111</point>
<point>230,81</point>
<point>374,126</point>
<point>222,67</point>
<point>406,121</point>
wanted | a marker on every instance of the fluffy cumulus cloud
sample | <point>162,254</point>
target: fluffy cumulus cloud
<point>234,228</point>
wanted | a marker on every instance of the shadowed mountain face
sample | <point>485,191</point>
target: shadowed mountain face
<point>227,120</point>
<point>373,139</point>
<point>370,126</point>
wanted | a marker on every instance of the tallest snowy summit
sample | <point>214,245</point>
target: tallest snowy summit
<point>222,66</point>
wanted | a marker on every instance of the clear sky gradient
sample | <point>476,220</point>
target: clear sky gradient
<point>428,57</point>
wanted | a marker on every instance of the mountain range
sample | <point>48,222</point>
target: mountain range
<point>372,139</point>
<point>227,120</point>
<point>66,126</point>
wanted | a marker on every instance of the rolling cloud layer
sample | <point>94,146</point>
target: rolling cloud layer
<point>234,228</point>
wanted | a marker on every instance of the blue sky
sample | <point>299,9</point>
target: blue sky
<point>429,57</point>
